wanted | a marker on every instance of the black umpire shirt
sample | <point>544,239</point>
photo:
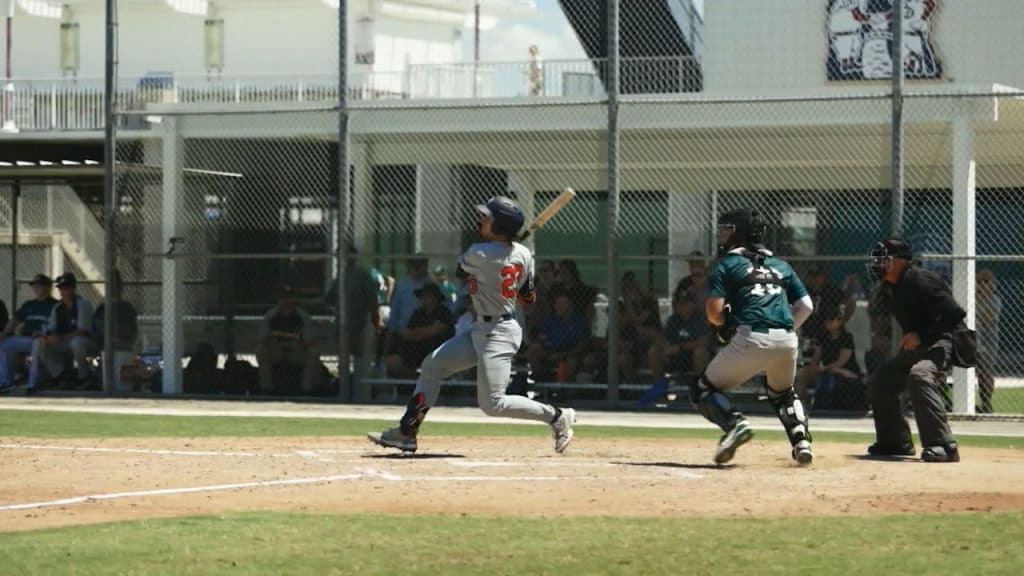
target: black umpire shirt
<point>922,302</point>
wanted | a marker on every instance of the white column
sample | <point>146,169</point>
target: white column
<point>439,213</point>
<point>687,231</point>
<point>362,190</point>
<point>172,288</point>
<point>964,381</point>
<point>520,185</point>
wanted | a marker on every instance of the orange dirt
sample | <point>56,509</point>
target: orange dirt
<point>482,475</point>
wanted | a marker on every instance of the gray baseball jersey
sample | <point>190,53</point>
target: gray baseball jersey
<point>497,270</point>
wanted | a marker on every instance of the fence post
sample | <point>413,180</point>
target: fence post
<point>897,119</point>
<point>172,288</point>
<point>964,196</point>
<point>341,256</point>
<point>613,199</point>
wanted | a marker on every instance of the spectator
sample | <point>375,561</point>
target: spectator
<point>833,368</point>
<point>5,315</point>
<point>286,339</point>
<point>562,341</point>
<point>695,284</point>
<point>448,292</point>
<point>403,300</point>
<point>67,337</point>
<point>430,326</point>
<point>385,286</point>
<point>582,296</point>
<point>989,309</point>
<point>548,288</point>
<point>826,296</point>
<point>126,319</point>
<point>854,288</point>
<point>29,323</point>
<point>639,328</point>
<point>685,345</point>
<point>362,299</point>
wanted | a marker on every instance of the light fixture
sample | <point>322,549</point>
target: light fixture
<point>41,8</point>
<point>194,7</point>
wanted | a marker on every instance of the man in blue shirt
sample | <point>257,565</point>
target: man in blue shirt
<point>404,300</point>
<point>67,337</point>
<point>28,323</point>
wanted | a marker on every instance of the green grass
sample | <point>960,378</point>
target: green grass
<point>291,543</point>
<point>1008,401</point>
<point>46,424</point>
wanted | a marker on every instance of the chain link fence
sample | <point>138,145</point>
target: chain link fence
<point>227,210</point>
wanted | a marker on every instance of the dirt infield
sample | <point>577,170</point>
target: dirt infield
<point>56,483</point>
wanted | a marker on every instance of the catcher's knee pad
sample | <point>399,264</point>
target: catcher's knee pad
<point>415,412</point>
<point>790,411</point>
<point>712,404</point>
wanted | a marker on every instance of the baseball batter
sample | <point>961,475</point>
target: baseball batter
<point>499,272</point>
<point>755,303</point>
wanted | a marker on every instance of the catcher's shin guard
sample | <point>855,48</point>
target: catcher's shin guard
<point>790,411</point>
<point>415,412</point>
<point>713,405</point>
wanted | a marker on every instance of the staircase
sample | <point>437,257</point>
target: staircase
<point>69,225</point>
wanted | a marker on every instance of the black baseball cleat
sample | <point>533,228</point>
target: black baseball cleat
<point>942,453</point>
<point>880,449</point>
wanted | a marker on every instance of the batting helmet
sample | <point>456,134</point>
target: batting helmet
<point>741,227</point>
<point>506,217</point>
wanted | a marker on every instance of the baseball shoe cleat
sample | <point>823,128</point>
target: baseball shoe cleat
<point>802,453</point>
<point>739,435</point>
<point>882,449</point>
<point>393,438</point>
<point>942,453</point>
<point>561,429</point>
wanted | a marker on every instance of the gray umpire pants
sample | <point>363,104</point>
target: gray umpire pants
<point>922,373</point>
<point>490,346</point>
<point>749,353</point>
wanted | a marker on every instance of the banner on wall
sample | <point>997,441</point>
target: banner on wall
<point>364,40</point>
<point>860,40</point>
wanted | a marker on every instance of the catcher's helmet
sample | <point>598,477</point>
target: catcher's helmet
<point>742,227</point>
<point>506,217</point>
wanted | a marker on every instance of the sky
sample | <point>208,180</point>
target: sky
<point>549,30</point>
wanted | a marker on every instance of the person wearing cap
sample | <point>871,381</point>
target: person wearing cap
<point>923,305</point>
<point>825,296</point>
<point>430,326</point>
<point>67,336</point>
<point>286,337</point>
<point>126,318</point>
<point>28,323</point>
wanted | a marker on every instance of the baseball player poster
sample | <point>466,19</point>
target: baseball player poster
<point>860,40</point>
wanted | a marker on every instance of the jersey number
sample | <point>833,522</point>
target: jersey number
<point>510,276</point>
<point>769,289</point>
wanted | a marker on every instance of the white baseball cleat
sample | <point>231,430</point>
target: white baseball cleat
<point>740,434</point>
<point>561,429</point>
<point>393,438</point>
<point>802,453</point>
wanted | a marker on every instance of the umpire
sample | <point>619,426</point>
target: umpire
<point>929,316</point>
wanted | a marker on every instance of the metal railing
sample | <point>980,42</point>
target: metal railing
<point>63,104</point>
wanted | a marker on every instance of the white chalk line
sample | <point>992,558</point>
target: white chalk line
<point>310,454</point>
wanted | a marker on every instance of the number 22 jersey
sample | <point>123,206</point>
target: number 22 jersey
<point>497,270</point>
<point>759,295</point>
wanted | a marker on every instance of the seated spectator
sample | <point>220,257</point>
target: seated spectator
<point>561,342</point>
<point>67,338</point>
<point>639,328</point>
<point>286,339</point>
<point>126,319</point>
<point>826,296</point>
<point>404,300</point>
<point>430,325</point>
<point>686,343</point>
<point>448,290</point>
<point>833,368</point>
<point>583,296</point>
<point>29,323</point>
<point>695,283</point>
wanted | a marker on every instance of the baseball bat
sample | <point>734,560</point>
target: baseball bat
<point>549,212</point>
